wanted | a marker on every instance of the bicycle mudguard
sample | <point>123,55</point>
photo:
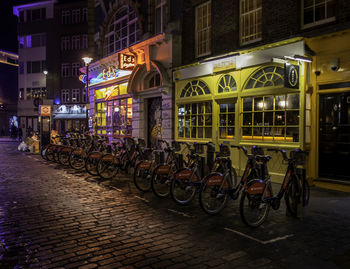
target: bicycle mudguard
<point>163,169</point>
<point>95,155</point>
<point>78,151</point>
<point>185,173</point>
<point>144,164</point>
<point>66,150</point>
<point>257,186</point>
<point>215,179</point>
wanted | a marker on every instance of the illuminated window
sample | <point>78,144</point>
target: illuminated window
<point>65,43</point>
<point>250,21</point>
<point>28,93</point>
<point>271,118</point>
<point>21,42</point>
<point>227,84</point>
<point>227,119</point>
<point>317,12</point>
<point>65,96</point>
<point>122,32</point>
<point>203,29</point>
<point>195,88</point>
<point>269,76</point>
<point>21,94</point>
<point>160,15</point>
<point>195,120</point>
<point>75,95</point>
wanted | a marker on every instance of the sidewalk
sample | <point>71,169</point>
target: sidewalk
<point>5,139</point>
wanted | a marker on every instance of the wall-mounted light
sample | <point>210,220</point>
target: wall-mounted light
<point>45,72</point>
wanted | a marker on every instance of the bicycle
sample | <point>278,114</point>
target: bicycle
<point>217,187</point>
<point>257,197</point>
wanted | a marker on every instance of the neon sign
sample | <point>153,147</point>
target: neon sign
<point>126,62</point>
<point>110,92</point>
<point>110,72</point>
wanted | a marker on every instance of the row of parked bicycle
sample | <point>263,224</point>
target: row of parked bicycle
<point>166,171</point>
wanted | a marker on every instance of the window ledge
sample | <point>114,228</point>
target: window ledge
<point>310,25</point>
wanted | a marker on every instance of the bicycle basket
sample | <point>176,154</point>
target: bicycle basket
<point>176,145</point>
<point>299,157</point>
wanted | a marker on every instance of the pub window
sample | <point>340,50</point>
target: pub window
<point>317,12</point>
<point>203,29</point>
<point>270,118</point>
<point>122,117</point>
<point>195,120</point>
<point>227,119</point>
<point>227,84</point>
<point>195,88</point>
<point>268,76</point>
<point>250,21</point>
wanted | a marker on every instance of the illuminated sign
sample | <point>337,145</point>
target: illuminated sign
<point>109,92</point>
<point>45,110</point>
<point>291,76</point>
<point>110,72</point>
<point>126,62</point>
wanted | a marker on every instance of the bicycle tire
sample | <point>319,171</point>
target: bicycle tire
<point>106,167</point>
<point>63,158</point>
<point>213,195</point>
<point>181,190</point>
<point>91,163</point>
<point>292,196</point>
<point>76,161</point>
<point>142,178</point>
<point>49,154</point>
<point>251,203</point>
<point>160,185</point>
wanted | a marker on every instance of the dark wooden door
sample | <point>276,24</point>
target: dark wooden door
<point>334,136</point>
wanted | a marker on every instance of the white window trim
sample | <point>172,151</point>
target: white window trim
<point>240,25</point>
<point>65,95</point>
<point>309,25</point>
<point>76,95</point>
<point>196,31</point>
<point>162,7</point>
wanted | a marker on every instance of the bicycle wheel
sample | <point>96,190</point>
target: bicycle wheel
<point>253,211</point>
<point>142,176</point>
<point>213,194</point>
<point>76,161</point>
<point>292,196</point>
<point>91,163</point>
<point>43,150</point>
<point>63,157</point>
<point>49,153</point>
<point>107,167</point>
<point>160,184</point>
<point>181,189</point>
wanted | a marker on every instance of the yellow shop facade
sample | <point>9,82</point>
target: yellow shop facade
<point>251,97</point>
<point>329,88</point>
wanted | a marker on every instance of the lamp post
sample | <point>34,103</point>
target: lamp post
<point>87,61</point>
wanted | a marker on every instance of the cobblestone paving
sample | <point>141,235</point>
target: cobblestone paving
<point>52,217</point>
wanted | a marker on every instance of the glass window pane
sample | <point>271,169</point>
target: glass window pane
<point>279,118</point>
<point>292,101</point>
<point>247,104</point>
<point>247,131</point>
<point>247,118</point>
<point>280,102</point>
<point>268,103</point>
<point>292,134</point>
<point>258,118</point>
<point>258,104</point>
<point>268,118</point>
<point>292,117</point>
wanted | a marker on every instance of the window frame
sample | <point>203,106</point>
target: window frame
<point>319,22</point>
<point>162,5</point>
<point>208,28</point>
<point>65,96</point>
<point>75,95</point>
<point>241,24</point>
<point>75,69</point>
<point>65,70</point>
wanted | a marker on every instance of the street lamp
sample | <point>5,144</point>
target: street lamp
<point>87,61</point>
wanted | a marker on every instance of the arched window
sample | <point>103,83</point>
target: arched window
<point>195,88</point>
<point>152,81</point>
<point>122,31</point>
<point>268,76</point>
<point>227,84</point>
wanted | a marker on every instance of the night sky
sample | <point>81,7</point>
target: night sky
<point>8,40</point>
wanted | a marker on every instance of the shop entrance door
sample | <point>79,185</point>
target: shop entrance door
<point>154,121</point>
<point>334,136</point>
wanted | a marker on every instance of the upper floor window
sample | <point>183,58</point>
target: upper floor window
<point>21,68</point>
<point>65,43</point>
<point>75,42</point>
<point>160,16</point>
<point>36,14</point>
<point>21,42</point>
<point>122,32</point>
<point>251,21</point>
<point>203,29</point>
<point>84,43</point>
<point>36,67</point>
<point>65,96</point>
<point>65,16</point>
<point>38,40</point>
<point>85,15</point>
<point>65,70</point>
<point>21,16</point>
<point>76,16</point>
<point>75,69</point>
<point>75,95</point>
<point>318,11</point>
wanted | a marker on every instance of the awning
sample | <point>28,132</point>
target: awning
<point>65,116</point>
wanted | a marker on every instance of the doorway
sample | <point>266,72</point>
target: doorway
<point>154,121</point>
<point>334,136</point>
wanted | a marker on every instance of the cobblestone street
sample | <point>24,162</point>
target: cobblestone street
<point>54,217</point>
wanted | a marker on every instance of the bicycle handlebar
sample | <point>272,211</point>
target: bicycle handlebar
<point>283,152</point>
<point>244,149</point>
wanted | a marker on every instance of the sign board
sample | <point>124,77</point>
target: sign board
<point>126,62</point>
<point>45,110</point>
<point>291,76</point>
